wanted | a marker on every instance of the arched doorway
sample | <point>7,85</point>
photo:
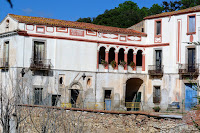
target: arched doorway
<point>132,93</point>
<point>75,95</point>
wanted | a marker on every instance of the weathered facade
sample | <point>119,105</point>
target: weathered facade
<point>121,65</point>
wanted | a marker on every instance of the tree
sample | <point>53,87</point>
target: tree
<point>155,9</point>
<point>171,6</point>
<point>86,20</point>
<point>189,3</point>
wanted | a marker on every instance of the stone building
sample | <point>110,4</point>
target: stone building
<point>88,65</point>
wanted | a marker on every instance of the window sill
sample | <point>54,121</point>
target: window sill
<point>190,33</point>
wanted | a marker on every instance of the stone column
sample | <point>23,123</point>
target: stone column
<point>143,62</point>
<point>134,60</point>
<point>97,60</point>
<point>106,58</point>
<point>126,60</point>
<point>116,60</point>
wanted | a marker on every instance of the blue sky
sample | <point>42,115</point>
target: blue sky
<point>65,9</point>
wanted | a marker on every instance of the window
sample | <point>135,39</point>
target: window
<point>39,51</point>
<point>156,94</point>
<point>38,96</point>
<point>61,79</point>
<point>158,59</point>
<point>6,54</point>
<point>158,27</point>
<point>192,24</point>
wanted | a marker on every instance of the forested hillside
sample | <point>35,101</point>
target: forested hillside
<point>128,13</point>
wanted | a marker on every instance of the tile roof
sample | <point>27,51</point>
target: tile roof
<point>184,11</point>
<point>73,24</point>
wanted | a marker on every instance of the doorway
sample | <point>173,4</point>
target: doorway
<point>74,97</point>
<point>133,96</point>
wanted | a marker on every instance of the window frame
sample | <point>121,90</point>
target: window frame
<point>155,28</point>
<point>154,91</point>
<point>36,90</point>
<point>188,24</point>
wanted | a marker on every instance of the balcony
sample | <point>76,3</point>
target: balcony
<point>44,64</point>
<point>4,64</point>
<point>155,70</point>
<point>188,70</point>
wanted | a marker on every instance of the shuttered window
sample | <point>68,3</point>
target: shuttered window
<point>39,50</point>
<point>38,96</point>
<point>156,94</point>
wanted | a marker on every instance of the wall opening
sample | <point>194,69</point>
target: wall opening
<point>101,54</point>
<point>139,58</point>
<point>121,55</point>
<point>111,55</point>
<point>130,56</point>
<point>74,97</point>
<point>156,94</point>
<point>133,97</point>
<point>107,99</point>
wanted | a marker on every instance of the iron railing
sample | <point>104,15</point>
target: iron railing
<point>41,64</point>
<point>187,69</point>
<point>155,69</point>
<point>4,63</point>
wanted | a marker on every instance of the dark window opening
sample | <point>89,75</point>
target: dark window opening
<point>192,26</point>
<point>101,54</point>
<point>108,94</point>
<point>156,94</point>
<point>111,55</point>
<point>139,58</point>
<point>142,30</point>
<point>130,56</point>
<point>89,82</point>
<point>61,80</point>
<point>55,99</point>
<point>38,96</point>
<point>5,60</point>
<point>191,59</point>
<point>158,27</point>
<point>121,55</point>
<point>74,96</point>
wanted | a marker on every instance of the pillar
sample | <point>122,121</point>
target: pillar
<point>116,60</point>
<point>143,62</point>
<point>126,60</point>
<point>134,60</point>
<point>97,59</point>
<point>106,59</point>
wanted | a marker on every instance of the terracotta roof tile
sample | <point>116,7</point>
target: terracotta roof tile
<point>184,11</point>
<point>72,24</point>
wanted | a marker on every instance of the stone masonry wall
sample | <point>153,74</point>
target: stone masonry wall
<point>40,119</point>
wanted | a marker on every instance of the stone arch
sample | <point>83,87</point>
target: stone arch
<point>75,94</point>
<point>76,84</point>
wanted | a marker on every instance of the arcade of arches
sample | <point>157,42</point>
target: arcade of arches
<point>113,55</point>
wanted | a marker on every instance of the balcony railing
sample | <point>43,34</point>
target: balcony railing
<point>4,63</point>
<point>42,64</point>
<point>155,70</point>
<point>186,69</point>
